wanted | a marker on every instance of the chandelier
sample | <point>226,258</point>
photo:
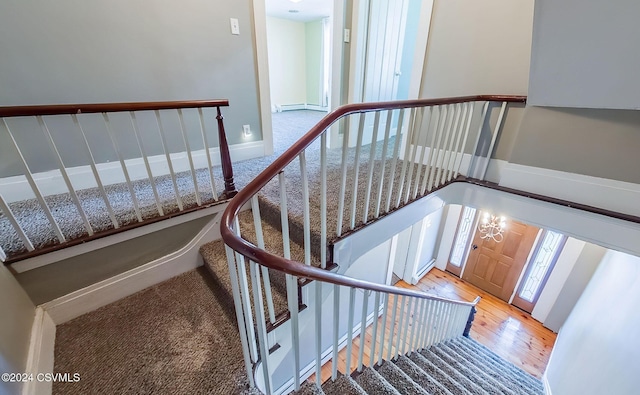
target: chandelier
<point>492,227</point>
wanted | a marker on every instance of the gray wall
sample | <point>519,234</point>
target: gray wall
<point>17,314</point>
<point>583,56</point>
<point>118,51</point>
<point>599,143</point>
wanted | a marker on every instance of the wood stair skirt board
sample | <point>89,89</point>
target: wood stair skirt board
<point>460,366</point>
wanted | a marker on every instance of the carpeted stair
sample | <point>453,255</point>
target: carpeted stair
<point>468,369</point>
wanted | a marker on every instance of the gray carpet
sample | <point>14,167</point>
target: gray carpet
<point>288,127</point>
<point>178,337</point>
<point>472,370</point>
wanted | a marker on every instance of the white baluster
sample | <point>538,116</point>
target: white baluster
<point>400,327</point>
<point>33,185</point>
<point>406,159</point>
<point>257,224</point>
<point>134,198</point>
<point>262,330</point>
<point>185,139</point>
<point>96,175</point>
<point>448,118</point>
<point>383,163</point>
<point>305,205</point>
<point>245,297</point>
<point>352,300</point>
<point>165,149</point>
<point>449,152</point>
<point>318,300</point>
<point>343,181</point>
<point>205,143</point>
<point>415,125</point>
<point>235,290</point>
<point>336,328</point>
<point>464,141</point>
<point>363,328</point>
<point>455,116</point>
<point>374,333</point>
<point>292,302</point>
<point>420,161</point>
<point>136,132</point>
<point>456,146</point>
<point>408,322</point>
<point>394,161</point>
<point>474,148</point>
<point>384,325</point>
<point>284,216</point>
<point>372,160</point>
<point>16,226</point>
<point>356,167</point>
<point>494,137</point>
<point>393,325</point>
<point>323,200</point>
<point>65,176</point>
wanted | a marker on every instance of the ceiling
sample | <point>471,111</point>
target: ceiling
<point>308,10</point>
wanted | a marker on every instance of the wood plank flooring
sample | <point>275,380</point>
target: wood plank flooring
<point>508,331</point>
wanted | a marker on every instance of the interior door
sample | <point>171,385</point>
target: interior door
<point>495,267</point>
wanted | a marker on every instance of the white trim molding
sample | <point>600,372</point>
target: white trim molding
<point>41,353</point>
<point>101,294</point>
<point>545,383</point>
<point>604,193</point>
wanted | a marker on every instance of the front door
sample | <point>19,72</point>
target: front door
<point>495,266</point>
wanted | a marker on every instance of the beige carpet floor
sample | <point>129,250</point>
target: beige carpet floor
<point>178,337</point>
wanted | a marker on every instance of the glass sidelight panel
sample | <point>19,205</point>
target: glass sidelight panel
<point>462,236</point>
<point>540,265</point>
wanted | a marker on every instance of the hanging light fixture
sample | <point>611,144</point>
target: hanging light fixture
<point>492,227</point>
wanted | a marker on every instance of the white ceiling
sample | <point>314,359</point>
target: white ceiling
<point>308,10</point>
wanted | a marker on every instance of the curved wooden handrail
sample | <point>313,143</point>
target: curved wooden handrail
<point>299,269</point>
<point>59,109</point>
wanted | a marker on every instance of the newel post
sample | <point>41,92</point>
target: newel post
<point>472,315</point>
<point>225,159</point>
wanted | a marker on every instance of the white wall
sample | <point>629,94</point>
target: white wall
<point>478,47</point>
<point>286,43</point>
<point>373,265</point>
<point>580,57</point>
<point>17,313</point>
<point>597,351</point>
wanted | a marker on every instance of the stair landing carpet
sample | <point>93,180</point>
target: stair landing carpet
<point>178,337</point>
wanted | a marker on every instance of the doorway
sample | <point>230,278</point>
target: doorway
<point>513,265</point>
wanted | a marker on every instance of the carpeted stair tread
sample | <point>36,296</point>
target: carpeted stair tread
<point>308,388</point>
<point>464,376</point>
<point>435,372</point>
<point>474,372</point>
<point>396,377</point>
<point>343,385</point>
<point>215,260</point>
<point>516,379</point>
<point>373,383</point>
<point>479,370</point>
<point>421,377</point>
<point>524,376</point>
<point>488,369</point>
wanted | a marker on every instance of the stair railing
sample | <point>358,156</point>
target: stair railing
<point>391,154</point>
<point>159,139</point>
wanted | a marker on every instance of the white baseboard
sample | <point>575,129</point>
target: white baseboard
<point>65,253</point>
<point>17,188</point>
<point>41,353</point>
<point>545,383</point>
<point>604,193</point>
<point>294,107</point>
<point>101,294</point>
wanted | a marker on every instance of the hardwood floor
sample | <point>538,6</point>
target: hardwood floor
<point>506,330</point>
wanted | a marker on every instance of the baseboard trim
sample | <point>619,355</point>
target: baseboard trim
<point>545,383</point>
<point>17,188</point>
<point>41,353</point>
<point>105,292</point>
<point>604,193</point>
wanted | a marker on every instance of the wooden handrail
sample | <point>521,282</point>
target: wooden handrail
<point>298,269</point>
<point>59,109</point>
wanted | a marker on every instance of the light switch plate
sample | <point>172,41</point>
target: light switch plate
<point>347,35</point>
<point>235,26</point>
